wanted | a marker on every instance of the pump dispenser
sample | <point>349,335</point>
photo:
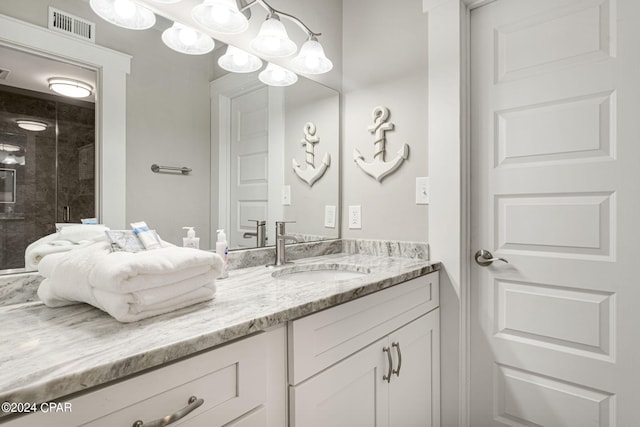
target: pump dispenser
<point>222,249</point>
<point>191,241</point>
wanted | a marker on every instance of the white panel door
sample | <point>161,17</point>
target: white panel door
<point>555,167</point>
<point>249,172</point>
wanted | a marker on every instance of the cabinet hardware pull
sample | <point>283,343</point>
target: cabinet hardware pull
<point>387,377</point>
<point>397,346</point>
<point>194,403</point>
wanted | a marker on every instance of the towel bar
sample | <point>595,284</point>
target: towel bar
<point>158,169</point>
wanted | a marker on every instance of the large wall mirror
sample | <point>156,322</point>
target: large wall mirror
<point>313,208</point>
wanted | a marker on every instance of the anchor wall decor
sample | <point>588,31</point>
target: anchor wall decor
<point>378,168</point>
<point>311,174</point>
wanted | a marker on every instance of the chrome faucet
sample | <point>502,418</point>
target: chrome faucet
<point>260,234</point>
<point>281,238</point>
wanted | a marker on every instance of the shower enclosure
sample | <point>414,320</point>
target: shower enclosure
<point>46,167</point>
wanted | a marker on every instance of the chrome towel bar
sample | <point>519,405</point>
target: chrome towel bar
<point>162,169</point>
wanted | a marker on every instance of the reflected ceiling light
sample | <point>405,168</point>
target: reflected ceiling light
<point>311,59</point>
<point>9,147</point>
<point>69,87</point>
<point>238,61</point>
<point>124,13</point>
<point>167,1</point>
<point>275,75</point>
<point>187,40</point>
<point>273,40</point>
<point>31,125</point>
<point>222,16</point>
<point>10,160</point>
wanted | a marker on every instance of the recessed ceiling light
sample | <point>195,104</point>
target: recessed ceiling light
<point>69,87</point>
<point>31,125</point>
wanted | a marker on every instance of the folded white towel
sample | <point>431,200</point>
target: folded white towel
<point>123,307</point>
<point>129,272</point>
<point>70,278</point>
<point>68,238</point>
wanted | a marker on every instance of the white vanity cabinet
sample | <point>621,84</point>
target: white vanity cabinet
<point>370,362</point>
<point>241,384</point>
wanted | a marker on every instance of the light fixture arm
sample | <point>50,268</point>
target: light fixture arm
<point>271,11</point>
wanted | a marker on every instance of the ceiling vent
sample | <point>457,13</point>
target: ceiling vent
<point>4,74</point>
<point>72,25</point>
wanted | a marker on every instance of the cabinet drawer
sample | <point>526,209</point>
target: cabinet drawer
<point>323,339</point>
<point>231,380</point>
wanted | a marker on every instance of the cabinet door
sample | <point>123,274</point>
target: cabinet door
<point>351,393</point>
<point>414,391</point>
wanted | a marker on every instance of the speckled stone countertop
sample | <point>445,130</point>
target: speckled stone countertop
<point>48,353</point>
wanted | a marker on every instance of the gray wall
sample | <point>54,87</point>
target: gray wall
<point>385,63</point>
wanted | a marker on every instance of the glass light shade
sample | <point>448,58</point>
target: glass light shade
<point>311,59</point>
<point>238,61</point>
<point>222,16</point>
<point>273,40</point>
<point>275,75</point>
<point>124,13</point>
<point>31,125</point>
<point>187,40</point>
<point>71,88</point>
<point>167,1</point>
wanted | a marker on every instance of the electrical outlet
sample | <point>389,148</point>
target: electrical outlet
<point>422,191</point>
<point>355,217</point>
<point>286,195</point>
<point>330,216</point>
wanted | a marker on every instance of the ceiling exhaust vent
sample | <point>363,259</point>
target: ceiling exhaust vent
<point>4,74</point>
<point>72,25</point>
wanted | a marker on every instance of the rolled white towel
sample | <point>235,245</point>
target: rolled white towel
<point>68,238</point>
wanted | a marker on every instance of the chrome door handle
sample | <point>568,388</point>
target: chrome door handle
<point>387,377</point>
<point>485,258</point>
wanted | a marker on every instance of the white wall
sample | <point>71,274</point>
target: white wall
<point>384,63</point>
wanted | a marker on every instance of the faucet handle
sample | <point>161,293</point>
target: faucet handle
<point>280,226</point>
<point>258,222</point>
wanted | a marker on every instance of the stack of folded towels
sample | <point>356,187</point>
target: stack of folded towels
<point>67,238</point>
<point>129,286</point>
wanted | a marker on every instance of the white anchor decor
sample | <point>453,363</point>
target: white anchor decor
<point>311,174</point>
<point>378,168</point>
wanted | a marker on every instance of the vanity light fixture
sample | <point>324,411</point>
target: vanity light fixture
<point>187,40</point>
<point>31,125</point>
<point>239,61</point>
<point>311,59</point>
<point>70,88</point>
<point>222,16</point>
<point>124,13</point>
<point>272,39</point>
<point>275,75</point>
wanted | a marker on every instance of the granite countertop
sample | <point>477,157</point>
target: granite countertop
<point>47,353</point>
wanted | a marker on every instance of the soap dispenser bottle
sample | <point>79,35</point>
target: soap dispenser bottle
<point>191,241</point>
<point>222,249</point>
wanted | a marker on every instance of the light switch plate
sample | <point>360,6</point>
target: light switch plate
<point>286,195</point>
<point>330,216</point>
<point>355,217</point>
<point>422,190</point>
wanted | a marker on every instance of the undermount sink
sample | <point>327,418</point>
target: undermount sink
<point>321,272</point>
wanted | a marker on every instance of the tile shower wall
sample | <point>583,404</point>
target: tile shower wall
<point>54,174</point>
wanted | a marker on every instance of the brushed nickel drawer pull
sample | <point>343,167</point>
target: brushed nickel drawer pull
<point>193,403</point>
<point>387,377</point>
<point>397,346</point>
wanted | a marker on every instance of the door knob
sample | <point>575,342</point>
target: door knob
<point>484,258</point>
